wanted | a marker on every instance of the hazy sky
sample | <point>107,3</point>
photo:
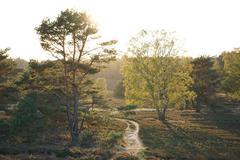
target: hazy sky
<point>203,26</point>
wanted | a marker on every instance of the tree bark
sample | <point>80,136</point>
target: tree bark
<point>162,114</point>
<point>158,112</point>
<point>67,97</point>
<point>66,89</point>
<point>75,133</point>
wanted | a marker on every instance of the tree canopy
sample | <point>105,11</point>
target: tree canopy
<point>205,80</point>
<point>155,75</point>
<point>231,80</point>
<point>72,39</point>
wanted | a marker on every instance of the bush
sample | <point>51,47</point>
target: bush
<point>87,139</point>
<point>113,138</point>
<point>27,121</point>
<point>127,107</point>
<point>4,130</point>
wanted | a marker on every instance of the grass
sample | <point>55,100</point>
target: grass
<point>190,135</point>
<point>185,135</point>
<point>56,143</point>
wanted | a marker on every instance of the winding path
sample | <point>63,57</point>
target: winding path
<point>132,143</point>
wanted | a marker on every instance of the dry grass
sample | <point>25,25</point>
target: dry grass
<point>98,123</point>
<point>190,135</point>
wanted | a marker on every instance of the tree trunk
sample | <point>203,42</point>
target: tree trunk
<point>75,116</point>
<point>67,96</point>
<point>75,133</point>
<point>74,136</point>
<point>67,99</point>
<point>158,112</point>
<point>68,112</point>
<point>162,114</point>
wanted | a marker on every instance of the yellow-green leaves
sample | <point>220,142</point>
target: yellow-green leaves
<point>231,80</point>
<point>154,75</point>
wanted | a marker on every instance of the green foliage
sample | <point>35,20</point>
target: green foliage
<point>63,153</point>
<point>205,78</point>
<point>155,76</point>
<point>87,139</point>
<point>179,89</point>
<point>39,76</point>
<point>73,29</point>
<point>113,138</point>
<point>8,72</point>
<point>8,95</point>
<point>5,63</point>
<point>112,73</point>
<point>101,86</point>
<point>67,38</point>
<point>127,107</point>
<point>44,78</point>
<point>231,79</point>
<point>99,93</point>
<point>4,130</point>
<point>27,121</point>
<point>94,94</point>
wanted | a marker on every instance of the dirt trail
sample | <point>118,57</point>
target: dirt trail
<point>132,143</point>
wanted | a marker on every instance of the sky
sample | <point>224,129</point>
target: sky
<point>204,27</point>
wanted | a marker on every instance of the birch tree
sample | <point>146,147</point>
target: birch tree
<point>154,75</point>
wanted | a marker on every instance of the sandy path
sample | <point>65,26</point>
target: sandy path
<point>132,143</point>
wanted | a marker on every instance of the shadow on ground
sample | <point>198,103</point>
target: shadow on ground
<point>190,135</point>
